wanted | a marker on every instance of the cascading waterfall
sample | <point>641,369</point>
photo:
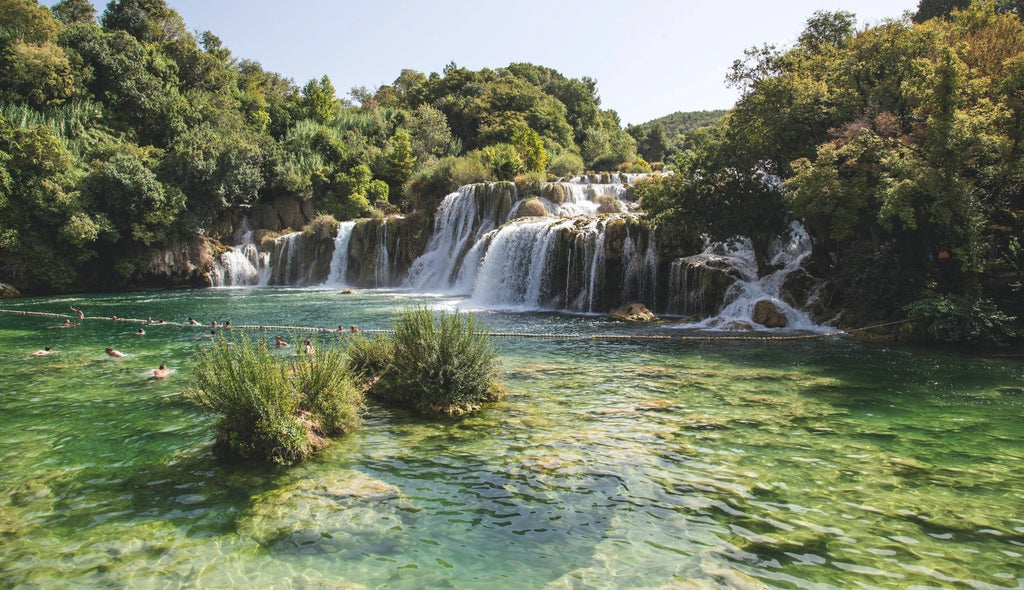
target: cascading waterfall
<point>736,261</point>
<point>557,261</point>
<point>383,268</point>
<point>243,264</point>
<point>339,259</point>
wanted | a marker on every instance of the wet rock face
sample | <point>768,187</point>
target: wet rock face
<point>633,312</point>
<point>769,315</point>
<point>7,291</point>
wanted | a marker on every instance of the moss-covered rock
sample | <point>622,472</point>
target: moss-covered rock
<point>531,207</point>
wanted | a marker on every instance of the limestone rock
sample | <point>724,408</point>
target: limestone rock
<point>7,291</point>
<point>634,312</point>
<point>531,207</point>
<point>769,315</point>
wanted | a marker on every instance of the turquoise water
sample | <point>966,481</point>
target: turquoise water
<point>824,463</point>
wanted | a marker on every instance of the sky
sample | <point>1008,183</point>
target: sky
<point>650,58</point>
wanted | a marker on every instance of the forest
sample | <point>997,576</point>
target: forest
<point>897,145</point>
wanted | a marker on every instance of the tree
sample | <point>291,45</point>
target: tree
<point>139,206</point>
<point>318,99</point>
<point>399,161</point>
<point>75,12</point>
<point>827,29</point>
<point>531,149</point>
<point>929,9</point>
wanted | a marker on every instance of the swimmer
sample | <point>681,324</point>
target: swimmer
<point>66,324</point>
<point>149,320</point>
<point>341,328</point>
<point>192,322</point>
<point>280,343</point>
<point>141,332</point>
<point>309,346</point>
<point>162,372</point>
<point>353,329</point>
<point>227,324</point>
<point>81,315</point>
<point>114,353</point>
<point>45,351</point>
<point>214,325</point>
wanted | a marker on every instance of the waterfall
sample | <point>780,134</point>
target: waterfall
<point>382,273</point>
<point>339,259</point>
<point>462,221</point>
<point>558,261</point>
<point>734,261</point>
<point>242,264</point>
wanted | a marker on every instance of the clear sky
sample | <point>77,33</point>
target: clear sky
<point>650,57</point>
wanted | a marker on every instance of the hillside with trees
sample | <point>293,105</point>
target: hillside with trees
<point>123,135</point>
<point>898,146</point>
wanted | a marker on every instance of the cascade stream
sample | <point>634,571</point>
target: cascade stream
<point>579,246</point>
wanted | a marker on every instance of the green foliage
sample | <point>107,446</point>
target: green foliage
<point>271,406</point>
<point>955,319</point>
<point>440,364</point>
<point>531,149</point>
<point>503,161</point>
<point>566,164</point>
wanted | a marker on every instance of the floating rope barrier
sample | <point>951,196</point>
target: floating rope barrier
<point>554,336</point>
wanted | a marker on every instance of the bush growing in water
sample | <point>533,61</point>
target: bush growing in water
<point>441,365</point>
<point>273,406</point>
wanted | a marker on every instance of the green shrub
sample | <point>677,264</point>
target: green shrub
<point>322,227</point>
<point>471,169</point>
<point>442,365</point>
<point>566,164</point>
<point>956,319</point>
<point>273,406</point>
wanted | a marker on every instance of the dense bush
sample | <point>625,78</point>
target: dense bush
<point>442,365</point>
<point>274,406</point>
<point>955,319</point>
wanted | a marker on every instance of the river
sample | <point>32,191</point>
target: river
<point>685,460</point>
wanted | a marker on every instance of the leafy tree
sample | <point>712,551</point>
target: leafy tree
<point>318,100</point>
<point>138,205</point>
<point>399,161</point>
<point>531,149</point>
<point>75,12</point>
<point>929,9</point>
<point>26,21</point>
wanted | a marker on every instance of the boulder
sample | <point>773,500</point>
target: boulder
<point>634,312</point>
<point>531,207</point>
<point>8,291</point>
<point>769,315</point>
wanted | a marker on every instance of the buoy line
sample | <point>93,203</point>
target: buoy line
<point>554,336</point>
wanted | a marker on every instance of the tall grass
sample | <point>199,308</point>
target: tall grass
<point>442,365</point>
<point>274,406</point>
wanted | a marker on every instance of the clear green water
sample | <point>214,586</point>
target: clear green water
<point>612,464</point>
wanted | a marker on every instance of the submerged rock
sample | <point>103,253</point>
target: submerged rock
<point>338,513</point>
<point>8,291</point>
<point>634,312</point>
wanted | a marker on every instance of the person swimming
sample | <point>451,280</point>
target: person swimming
<point>81,315</point>
<point>45,351</point>
<point>141,332</point>
<point>192,322</point>
<point>115,353</point>
<point>309,346</point>
<point>278,342</point>
<point>162,372</point>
